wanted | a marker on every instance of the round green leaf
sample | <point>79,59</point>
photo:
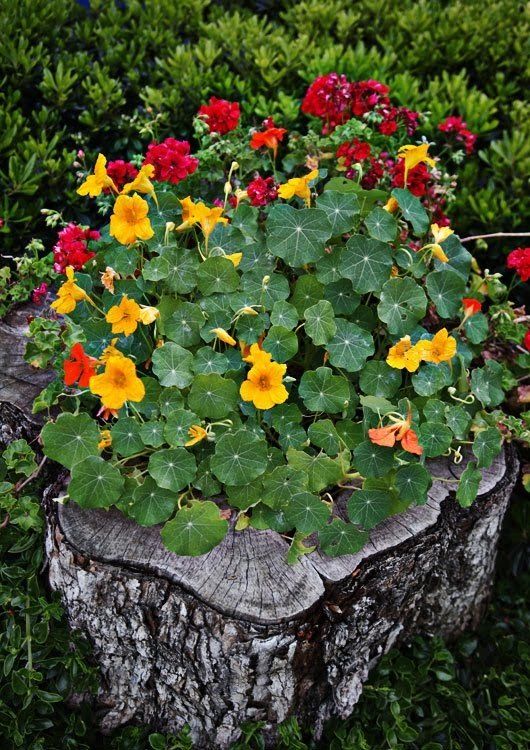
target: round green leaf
<point>350,347</point>
<point>307,292</point>
<point>195,530</point>
<point>412,483</point>
<point>284,314</point>
<point>307,513</point>
<point>429,379</point>
<point>151,504</point>
<point>381,225</point>
<point>95,483</point>
<point>446,289</point>
<point>322,391</point>
<point>152,433</point>
<point>177,427</point>
<point>281,343</point>
<point>217,274</point>
<point>172,365</point>
<point>412,210</point>
<point>373,460</point>
<point>340,208</point>
<point>184,325</point>
<point>239,457</point>
<point>369,507</point>
<point>435,438</point>
<point>403,303</point>
<point>366,262</point>
<point>70,439</point>
<point>340,538</point>
<point>487,446</point>
<point>468,485</point>
<point>323,434</point>
<point>172,468</point>
<point>182,265</point>
<point>320,323</point>
<point>207,361</point>
<point>126,438</point>
<point>379,379</point>
<point>298,236</point>
<point>213,396</point>
<point>282,484</point>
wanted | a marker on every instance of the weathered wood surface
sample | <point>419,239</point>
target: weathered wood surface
<point>238,634</point>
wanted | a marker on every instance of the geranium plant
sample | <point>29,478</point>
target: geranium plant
<point>269,320</point>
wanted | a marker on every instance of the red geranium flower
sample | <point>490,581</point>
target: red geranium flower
<point>457,127</point>
<point>519,260</point>
<point>38,295</point>
<point>72,247</point>
<point>221,115</point>
<point>417,180</point>
<point>526,340</point>
<point>120,172</point>
<point>329,97</point>
<point>373,174</point>
<point>171,159</point>
<point>79,367</point>
<point>367,95</point>
<point>262,190</point>
<point>354,151</point>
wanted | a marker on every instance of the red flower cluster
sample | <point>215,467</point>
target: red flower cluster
<point>72,247</point>
<point>221,115</point>
<point>352,152</point>
<point>458,128</point>
<point>120,172</point>
<point>262,190</point>
<point>418,178</point>
<point>372,175</point>
<point>79,367</point>
<point>367,95</point>
<point>526,340</point>
<point>329,97</point>
<point>38,295</point>
<point>519,261</point>
<point>171,160</point>
<point>394,116</point>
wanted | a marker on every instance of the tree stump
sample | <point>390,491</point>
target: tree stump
<point>238,634</point>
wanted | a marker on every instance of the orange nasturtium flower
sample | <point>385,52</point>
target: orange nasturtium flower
<point>142,183</point>
<point>440,348</point>
<point>269,138</point>
<point>298,186</point>
<point>224,336</point>
<point>130,221</point>
<point>440,234</point>
<point>254,353</point>
<point>108,277</point>
<point>69,294</point>
<point>124,317</point>
<point>118,384</point>
<point>471,306</point>
<point>414,155</point>
<point>263,385</point>
<point>95,183</point>
<point>196,433</point>
<point>404,356</point>
<point>106,440</point>
<point>399,431</point>
<point>79,367</point>
<point>199,213</point>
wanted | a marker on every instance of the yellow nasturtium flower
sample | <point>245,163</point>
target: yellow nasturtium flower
<point>105,440</point>
<point>414,155</point>
<point>95,183</point>
<point>440,234</point>
<point>264,386</point>
<point>130,221</point>
<point>234,258</point>
<point>440,348</point>
<point>110,351</point>
<point>142,183</point>
<point>124,317</point>
<point>118,384</point>
<point>224,336</point>
<point>196,433</point>
<point>148,314</point>
<point>404,356</point>
<point>69,294</point>
<point>298,186</point>
<point>199,213</point>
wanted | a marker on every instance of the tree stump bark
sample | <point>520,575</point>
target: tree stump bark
<point>239,635</point>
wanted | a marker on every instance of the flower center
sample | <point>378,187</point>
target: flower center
<point>119,380</point>
<point>264,383</point>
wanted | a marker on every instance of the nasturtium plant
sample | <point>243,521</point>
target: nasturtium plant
<point>257,328</point>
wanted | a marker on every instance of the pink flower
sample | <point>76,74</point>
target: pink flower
<point>221,115</point>
<point>262,190</point>
<point>71,248</point>
<point>172,160</point>
<point>38,295</point>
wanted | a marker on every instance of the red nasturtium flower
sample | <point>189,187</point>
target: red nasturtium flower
<point>171,159</point>
<point>79,367</point>
<point>220,115</point>
<point>471,306</point>
<point>399,431</point>
<point>262,190</point>
<point>270,137</point>
<point>71,248</point>
<point>120,172</point>
<point>519,261</point>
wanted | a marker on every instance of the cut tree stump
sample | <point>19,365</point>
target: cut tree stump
<point>238,635</point>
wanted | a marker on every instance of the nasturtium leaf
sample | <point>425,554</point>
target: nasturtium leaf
<point>213,396</point>
<point>245,496</point>
<point>476,328</point>
<point>126,438</point>
<point>403,303</point>
<point>205,481</point>
<point>245,219</point>
<point>151,504</point>
<point>350,433</point>
<point>487,446</point>
<point>239,457</point>
<point>428,380</point>
<point>250,327</point>
<point>184,325</point>
<point>217,274</point>
<point>298,236</point>
<point>266,289</point>
<point>412,210</point>
<point>281,343</point>
<point>152,433</point>
<point>172,468</point>
<point>350,347</point>
<point>122,259</point>
<point>340,538</point>
<point>226,239</point>
<point>379,379</point>
<point>207,361</point>
<point>149,406</point>
<point>284,414</point>
<point>381,225</point>
<point>486,383</point>
<point>365,318</point>
<point>459,258</point>
<point>183,263</point>
<point>327,269</point>
<point>307,292</point>
<point>320,323</point>
<point>367,508</point>
<point>412,483</point>
<point>341,295</point>
<point>284,314</point>
<point>434,410</point>
<point>264,517</point>
<point>321,470</point>
<point>156,268</point>
<point>468,485</point>
<point>95,483</point>
<point>446,289</point>
<point>435,438</point>
<point>172,365</point>
<point>372,460</point>
<point>178,423</point>
<point>323,434</point>
<point>322,391</point>
<point>195,530</point>
<point>340,208</point>
<point>366,262</point>
<point>307,513</point>
<point>282,484</point>
<point>458,420</point>
<point>70,439</point>
<point>169,400</point>
<point>377,404</point>
<point>292,435</point>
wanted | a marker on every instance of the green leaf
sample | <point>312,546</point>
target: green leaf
<point>379,379</point>
<point>321,470</point>
<point>281,343</point>
<point>369,507</point>
<point>340,208</point>
<point>151,504</point>
<point>403,303</point>
<point>307,513</point>
<point>412,483</point>
<point>239,457</point>
<point>328,267</point>
<point>282,484</point>
<point>177,426</point>
<point>292,435</point>
<point>366,262</point>
<point>373,460</point>
<point>341,295</point>
<point>445,288</point>
<point>340,538</point>
<point>377,404</point>
<point>266,292</point>
<point>207,361</point>
<point>184,325</point>
<point>298,236</point>
<point>458,420</point>
<point>152,433</point>
<point>487,446</point>
<point>324,435</point>
<point>486,383</point>
<point>320,322</point>
<point>213,396</point>
<point>435,438</point>
<point>195,530</point>
<point>307,292</point>
<point>172,468</point>
<point>204,480</point>
<point>182,269</point>
<point>284,314</point>
<point>350,347</point>
<point>126,438</point>
<point>468,485</point>
<point>95,483</point>
<point>381,225</point>
<point>172,365</point>
<point>412,210</point>
<point>322,391</point>
<point>250,327</point>
<point>70,439</point>
<point>434,410</point>
<point>124,260</point>
<point>216,275</point>
<point>476,328</point>
<point>429,379</point>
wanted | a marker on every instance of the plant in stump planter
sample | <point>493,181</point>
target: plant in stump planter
<point>273,347</point>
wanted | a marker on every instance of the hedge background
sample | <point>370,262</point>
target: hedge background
<point>93,75</point>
